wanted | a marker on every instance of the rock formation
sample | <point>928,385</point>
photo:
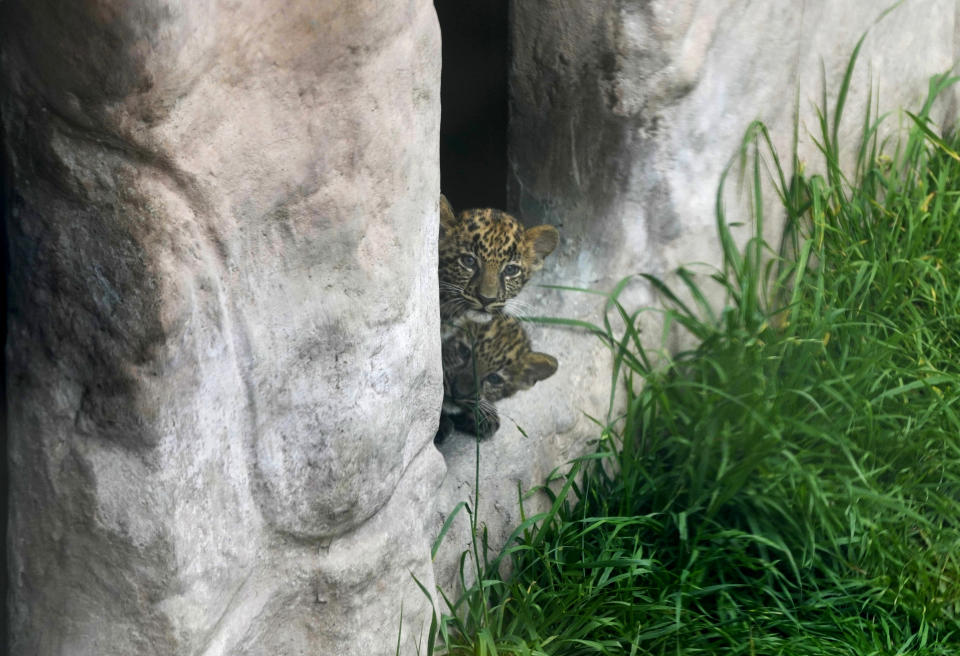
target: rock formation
<point>223,369</point>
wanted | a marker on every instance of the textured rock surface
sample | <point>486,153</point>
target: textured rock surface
<point>222,358</point>
<point>622,117</point>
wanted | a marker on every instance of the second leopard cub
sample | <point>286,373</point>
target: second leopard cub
<point>486,257</point>
<point>483,363</point>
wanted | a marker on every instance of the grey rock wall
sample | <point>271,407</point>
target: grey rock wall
<point>623,116</point>
<point>222,364</point>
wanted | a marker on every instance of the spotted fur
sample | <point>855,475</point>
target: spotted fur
<point>486,362</point>
<point>486,257</point>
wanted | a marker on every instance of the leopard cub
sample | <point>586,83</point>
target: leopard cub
<point>483,363</point>
<point>486,257</point>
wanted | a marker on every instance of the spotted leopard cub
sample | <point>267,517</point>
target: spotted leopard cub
<point>486,257</point>
<point>483,363</point>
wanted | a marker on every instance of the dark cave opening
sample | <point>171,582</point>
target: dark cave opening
<point>4,466</point>
<point>473,97</point>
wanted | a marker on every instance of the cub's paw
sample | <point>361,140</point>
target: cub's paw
<point>443,430</point>
<point>481,425</point>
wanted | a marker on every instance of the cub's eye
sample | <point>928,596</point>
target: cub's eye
<point>511,270</point>
<point>463,351</point>
<point>494,379</point>
<point>468,261</point>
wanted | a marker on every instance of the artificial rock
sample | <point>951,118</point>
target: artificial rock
<point>222,366</point>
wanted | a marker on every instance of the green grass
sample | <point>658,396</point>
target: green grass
<point>792,484</point>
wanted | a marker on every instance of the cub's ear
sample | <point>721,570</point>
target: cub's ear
<point>538,366</point>
<point>447,217</point>
<point>542,239</point>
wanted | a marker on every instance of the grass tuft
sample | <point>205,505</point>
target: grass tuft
<point>792,484</point>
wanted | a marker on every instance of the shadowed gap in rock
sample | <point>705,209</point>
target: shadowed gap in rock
<point>5,194</point>
<point>473,97</point>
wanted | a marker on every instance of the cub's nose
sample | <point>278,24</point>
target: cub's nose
<point>485,300</point>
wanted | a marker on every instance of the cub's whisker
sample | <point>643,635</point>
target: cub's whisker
<point>519,309</point>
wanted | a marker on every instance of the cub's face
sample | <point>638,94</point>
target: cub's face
<point>483,363</point>
<point>486,257</point>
